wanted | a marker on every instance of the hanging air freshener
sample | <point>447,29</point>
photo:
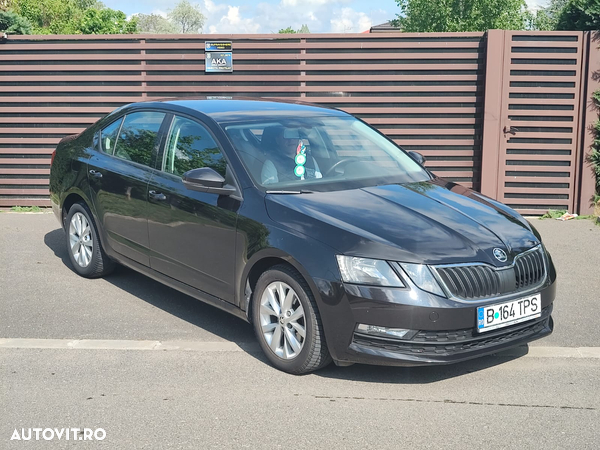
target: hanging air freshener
<point>300,160</point>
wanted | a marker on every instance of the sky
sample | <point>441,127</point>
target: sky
<point>269,16</point>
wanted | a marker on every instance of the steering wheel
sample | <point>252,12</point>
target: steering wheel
<point>341,162</point>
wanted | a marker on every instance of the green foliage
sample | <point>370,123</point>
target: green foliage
<point>72,17</point>
<point>155,23</point>
<point>594,160</point>
<point>12,23</point>
<point>546,19</point>
<point>581,15</point>
<point>290,30</point>
<point>594,157</point>
<point>106,21</point>
<point>461,15</point>
<point>85,4</point>
<point>187,17</point>
<point>49,16</point>
<point>26,209</point>
<point>553,214</point>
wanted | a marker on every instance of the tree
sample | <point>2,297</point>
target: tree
<point>86,4</point>
<point>155,23</point>
<point>71,17</point>
<point>12,23</point>
<point>49,16</point>
<point>290,30</point>
<point>106,21</point>
<point>583,15</point>
<point>461,15</point>
<point>187,17</point>
<point>546,19</point>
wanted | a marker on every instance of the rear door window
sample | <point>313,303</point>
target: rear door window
<point>138,137</point>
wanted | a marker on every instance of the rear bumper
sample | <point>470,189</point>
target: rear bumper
<point>56,209</point>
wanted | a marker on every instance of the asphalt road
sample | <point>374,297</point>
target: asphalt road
<point>205,385</point>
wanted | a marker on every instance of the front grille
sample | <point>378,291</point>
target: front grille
<point>479,281</point>
<point>530,270</point>
<point>455,341</point>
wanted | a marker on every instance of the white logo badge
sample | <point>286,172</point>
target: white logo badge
<point>500,255</point>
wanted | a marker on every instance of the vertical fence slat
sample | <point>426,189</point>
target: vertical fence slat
<point>492,116</point>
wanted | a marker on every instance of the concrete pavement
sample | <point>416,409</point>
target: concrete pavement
<point>87,353</point>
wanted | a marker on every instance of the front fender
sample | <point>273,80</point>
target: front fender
<point>317,264</point>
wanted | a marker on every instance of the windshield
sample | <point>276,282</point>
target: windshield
<point>320,153</point>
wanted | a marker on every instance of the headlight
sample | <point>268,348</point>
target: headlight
<point>422,277</point>
<point>373,272</point>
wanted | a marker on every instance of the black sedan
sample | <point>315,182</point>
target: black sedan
<point>331,240</point>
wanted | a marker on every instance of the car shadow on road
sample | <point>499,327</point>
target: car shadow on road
<point>418,375</point>
<point>231,328</point>
<point>170,300</point>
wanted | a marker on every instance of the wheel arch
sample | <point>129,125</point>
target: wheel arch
<point>70,199</point>
<point>78,196</point>
<point>260,263</point>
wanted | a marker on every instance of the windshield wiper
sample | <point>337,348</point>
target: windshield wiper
<point>303,191</point>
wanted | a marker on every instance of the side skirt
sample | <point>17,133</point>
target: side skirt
<point>182,287</point>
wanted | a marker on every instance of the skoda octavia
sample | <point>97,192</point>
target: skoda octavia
<point>332,241</point>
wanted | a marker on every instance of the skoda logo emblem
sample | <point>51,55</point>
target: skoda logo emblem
<point>500,255</point>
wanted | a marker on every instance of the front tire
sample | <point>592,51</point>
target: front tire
<point>287,322</point>
<point>83,245</point>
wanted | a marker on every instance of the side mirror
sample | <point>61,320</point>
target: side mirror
<point>417,157</point>
<point>208,180</point>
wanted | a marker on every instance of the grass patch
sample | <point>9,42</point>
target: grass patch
<point>553,214</point>
<point>556,213</point>
<point>26,209</point>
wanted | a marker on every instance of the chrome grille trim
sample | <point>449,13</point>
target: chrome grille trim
<point>481,281</point>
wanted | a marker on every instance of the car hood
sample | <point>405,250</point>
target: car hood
<point>432,222</point>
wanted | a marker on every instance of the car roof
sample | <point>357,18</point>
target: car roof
<point>231,109</point>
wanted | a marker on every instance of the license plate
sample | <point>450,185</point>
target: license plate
<point>504,314</point>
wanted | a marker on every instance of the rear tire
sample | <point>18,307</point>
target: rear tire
<point>287,322</point>
<point>83,245</point>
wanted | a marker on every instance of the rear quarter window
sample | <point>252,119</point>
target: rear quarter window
<point>108,136</point>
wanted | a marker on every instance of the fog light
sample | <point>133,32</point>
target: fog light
<point>375,330</point>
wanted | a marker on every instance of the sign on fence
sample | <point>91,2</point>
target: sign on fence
<point>218,56</point>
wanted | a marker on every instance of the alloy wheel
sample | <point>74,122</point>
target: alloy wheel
<point>80,239</point>
<point>282,320</point>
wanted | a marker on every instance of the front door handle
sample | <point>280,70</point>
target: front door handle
<point>95,174</point>
<point>157,196</point>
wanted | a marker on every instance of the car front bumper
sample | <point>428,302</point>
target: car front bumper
<point>446,329</point>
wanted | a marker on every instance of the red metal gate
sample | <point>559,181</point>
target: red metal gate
<point>531,123</point>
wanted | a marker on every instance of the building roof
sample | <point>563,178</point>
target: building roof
<point>385,28</point>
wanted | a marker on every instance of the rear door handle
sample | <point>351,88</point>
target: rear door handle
<point>157,196</point>
<point>95,174</point>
